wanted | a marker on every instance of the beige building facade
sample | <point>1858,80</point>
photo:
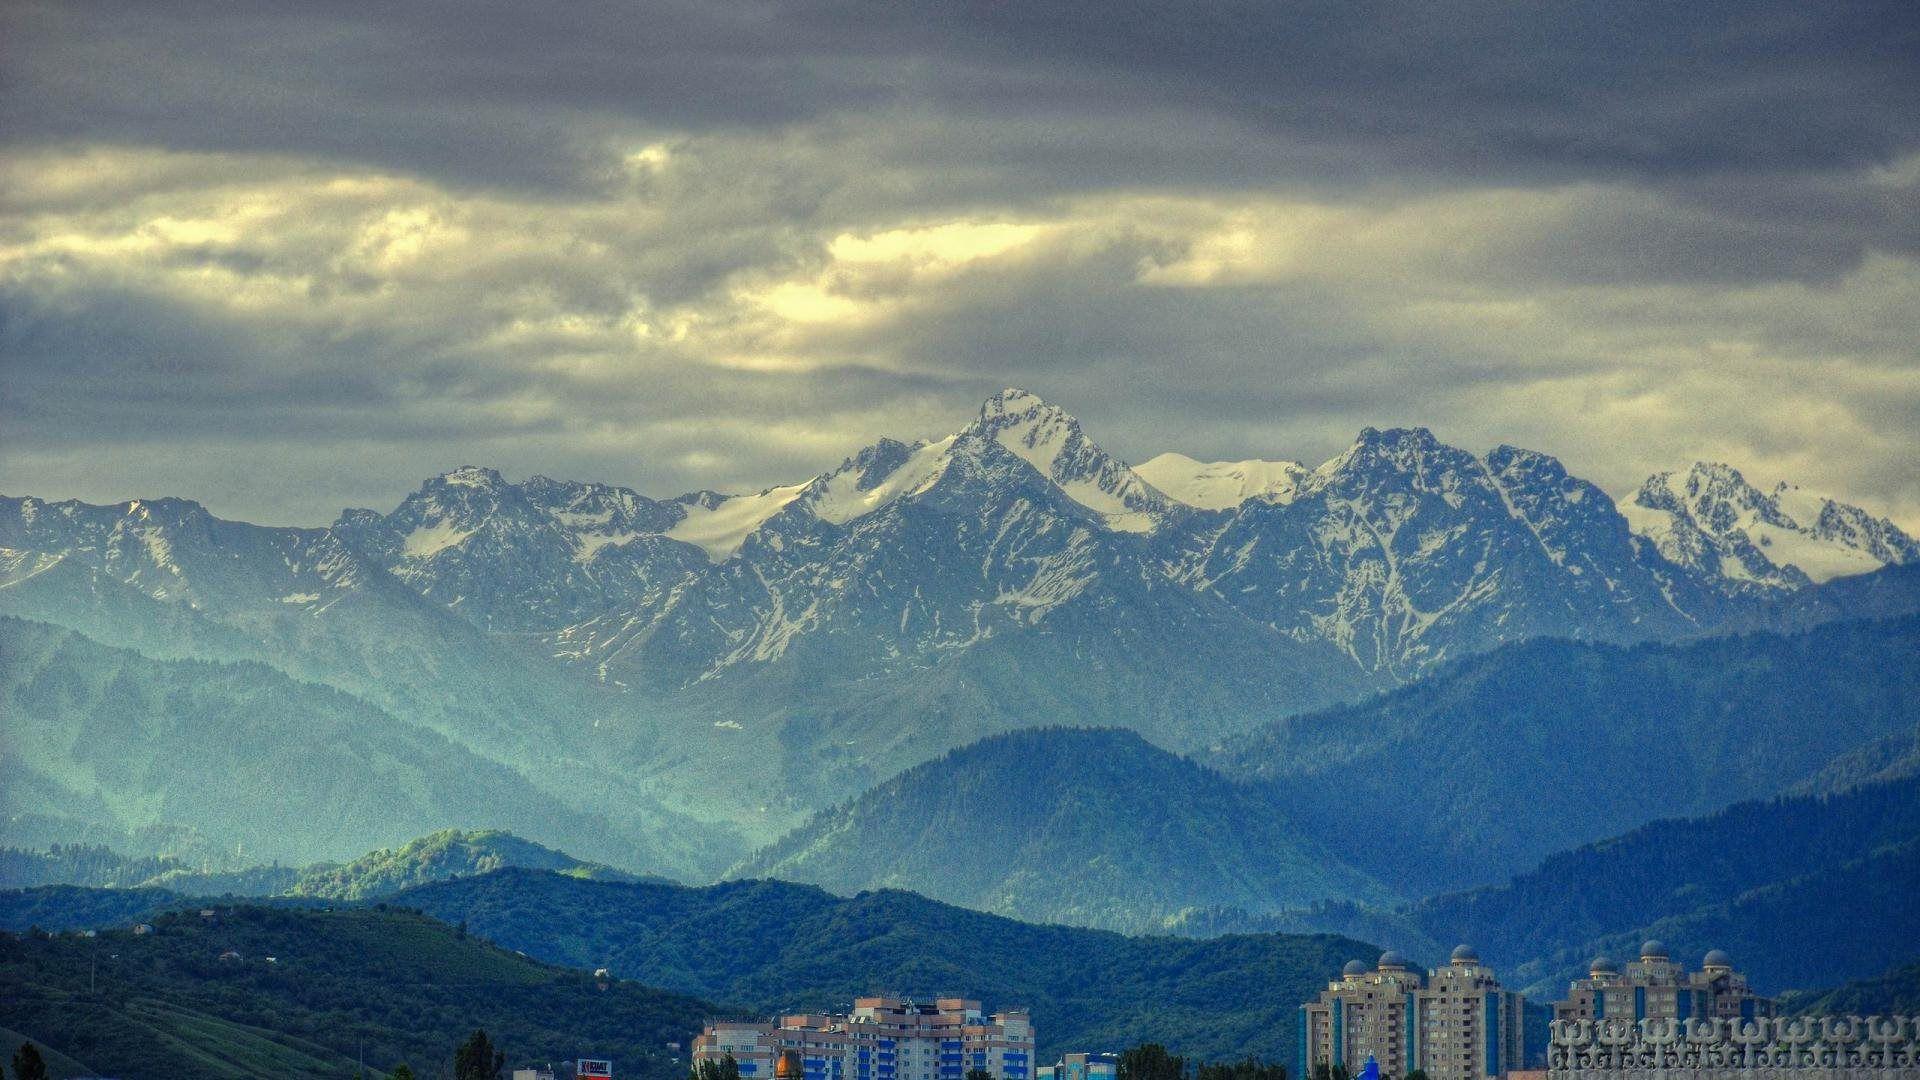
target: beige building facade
<point>1656,987</point>
<point>1455,1023</point>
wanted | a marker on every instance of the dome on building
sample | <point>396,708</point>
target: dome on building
<point>1465,954</point>
<point>1653,950</point>
<point>1718,958</point>
<point>1392,959</point>
<point>1603,965</point>
<point>1354,967</point>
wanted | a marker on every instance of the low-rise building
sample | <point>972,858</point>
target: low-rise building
<point>881,1038</point>
<point>1456,1023</point>
<point>1657,987</point>
<point>1081,1067</point>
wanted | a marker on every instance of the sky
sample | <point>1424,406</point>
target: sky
<point>289,258</point>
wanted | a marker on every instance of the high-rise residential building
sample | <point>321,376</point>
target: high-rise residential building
<point>882,1038</point>
<point>1656,986</point>
<point>1456,1023</point>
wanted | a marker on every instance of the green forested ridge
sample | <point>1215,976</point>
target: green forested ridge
<point>389,984</point>
<point>1804,891</point>
<point>1505,758</point>
<point>437,856</point>
<point>1895,993</point>
<point>776,946</point>
<point>1094,827</point>
<point>100,866</point>
<point>78,907</point>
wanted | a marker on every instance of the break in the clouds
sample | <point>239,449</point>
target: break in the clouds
<point>287,258</point>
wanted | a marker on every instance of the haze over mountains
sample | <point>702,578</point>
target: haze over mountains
<point>674,683</point>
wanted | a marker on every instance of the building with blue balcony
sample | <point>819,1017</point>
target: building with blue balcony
<point>880,1038</point>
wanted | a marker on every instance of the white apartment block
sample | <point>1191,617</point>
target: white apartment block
<point>882,1038</point>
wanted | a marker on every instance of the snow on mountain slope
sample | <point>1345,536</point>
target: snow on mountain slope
<point>1221,485</point>
<point>720,528</point>
<point>1713,521</point>
<point>1045,437</point>
<point>886,471</point>
<point>1404,551</point>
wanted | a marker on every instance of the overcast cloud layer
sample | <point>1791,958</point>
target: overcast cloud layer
<point>290,258</point>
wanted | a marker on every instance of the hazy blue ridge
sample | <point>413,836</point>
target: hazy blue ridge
<point>1499,760</point>
<point>246,756</point>
<point>1083,826</point>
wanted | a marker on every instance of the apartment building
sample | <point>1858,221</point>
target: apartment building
<point>1657,987</point>
<point>881,1038</point>
<point>1455,1023</point>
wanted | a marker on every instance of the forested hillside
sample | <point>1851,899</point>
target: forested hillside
<point>258,991</point>
<point>438,856</point>
<point>1895,993</point>
<point>773,946</point>
<point>1685,880</point>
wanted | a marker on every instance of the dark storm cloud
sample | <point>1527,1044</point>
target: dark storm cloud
<point>514,93</point>
<point>349,244</point>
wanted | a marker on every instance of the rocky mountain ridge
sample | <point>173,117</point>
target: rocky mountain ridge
<point>754,657</point>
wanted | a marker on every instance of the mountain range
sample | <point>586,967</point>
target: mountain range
<point>685,680</point>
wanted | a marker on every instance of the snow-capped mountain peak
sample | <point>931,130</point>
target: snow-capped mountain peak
<point>1710,518</point>
<point>1222,485</point>
<point>1049,439</point>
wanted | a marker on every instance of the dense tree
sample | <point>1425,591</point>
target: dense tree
<point>1248,1068</point>
<point>1324,1071</point>
<point>1150,1061</point>
<point>727,1068</point>
<point>979,1074</point>
<point>27,1063</point>
<point>400,1072</point>
<point>477,1059</point>
<point>1416,1074</point>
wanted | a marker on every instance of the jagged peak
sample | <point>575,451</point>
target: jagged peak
<point>169,507</point>
<point>1374,446</point>
<point>478,476</point>
<point>1015,401</point>
<point>1396,436</point>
